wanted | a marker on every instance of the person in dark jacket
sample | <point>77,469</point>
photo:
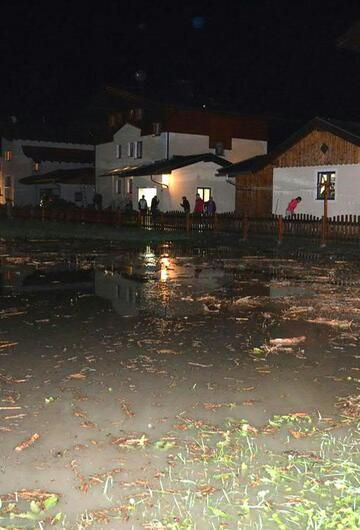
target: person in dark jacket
<point>155,205</point>
<point>185,204</point>
<point>210,206</point>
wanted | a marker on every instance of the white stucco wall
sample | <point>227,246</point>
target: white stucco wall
<point>184,181</point>
<point>21,166</point>
<point>302,181</point>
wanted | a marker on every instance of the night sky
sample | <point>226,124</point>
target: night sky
<point>271,56</point>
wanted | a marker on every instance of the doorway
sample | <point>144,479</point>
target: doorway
<point>148,193</point>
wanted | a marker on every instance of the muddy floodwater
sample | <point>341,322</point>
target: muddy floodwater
<point>173,388</point>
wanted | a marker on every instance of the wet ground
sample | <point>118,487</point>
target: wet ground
<point>169,388</point>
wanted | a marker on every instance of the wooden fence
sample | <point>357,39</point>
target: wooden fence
<point>302,225</point>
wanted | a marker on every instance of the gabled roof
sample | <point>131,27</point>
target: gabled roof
<point>165,166</point>
<point>250,165</point>
<point>59,154</point>
<point>82,175</point>
<point>349,131</point>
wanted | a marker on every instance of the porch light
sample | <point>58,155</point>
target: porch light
<point>166,179</point>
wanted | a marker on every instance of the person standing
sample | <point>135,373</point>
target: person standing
<point>143,206</point>
<point>211,206</point>
<point>185,205</point>
<point>290,210</point>
<point>154,205</point>
<point>199,205</point>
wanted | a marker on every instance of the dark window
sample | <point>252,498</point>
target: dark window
<point>219,149</point>
<point>138,114</point>
<point>131,149</point>
<point>138,150</point>
<point>8,181</point>
<point>118,185</point>
<point>204,193</point>
<point>156,128</point>
<point>326,178</point>
<point>78,196</point>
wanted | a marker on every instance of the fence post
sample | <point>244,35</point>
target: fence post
<point>188,222</point>
<point>162,220</point>
<point>245,228</point>
<point>215,222</point>
<point>280,229</point>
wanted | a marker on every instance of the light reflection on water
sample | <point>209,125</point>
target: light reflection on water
<point>161,283</point>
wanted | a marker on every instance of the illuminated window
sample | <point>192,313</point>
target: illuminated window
<point>8,181</point>
<point>204,193</point>
<point>131,149</point>
<point>323,178</point>
<point>8,155</point>
<point>118,151</point>
<point>36,167</point>
<point>138,151</point>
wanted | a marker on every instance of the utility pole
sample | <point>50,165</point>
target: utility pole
<point>325,213</point>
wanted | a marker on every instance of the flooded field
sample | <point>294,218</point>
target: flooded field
<point>168,388</point>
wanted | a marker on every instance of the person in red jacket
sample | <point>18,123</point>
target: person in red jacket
<point>199,204</point>
<point>290,210</point>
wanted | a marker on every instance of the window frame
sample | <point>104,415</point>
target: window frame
<point>332,190</point>
<point>201,191</point>
<point>77,194</point>
<point>138,149</point>
<point>131,149</point>
<point>118,151</point>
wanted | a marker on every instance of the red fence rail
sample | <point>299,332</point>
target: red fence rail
<point>303,225</point>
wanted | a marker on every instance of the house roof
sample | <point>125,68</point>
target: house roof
<point>59,154</point>
<point>250,165</point>
<point>82,175</point>
<point>165,166</point>
<point>349,131</point>
<point>351,39</point>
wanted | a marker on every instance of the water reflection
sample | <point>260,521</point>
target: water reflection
<point>155,282</point>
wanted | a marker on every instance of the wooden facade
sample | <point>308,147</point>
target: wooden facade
<point>254,193</point>
<point>317,147</point>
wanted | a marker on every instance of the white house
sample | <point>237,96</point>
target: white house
<point>32,168</point>
<point>323,151</point>
<point>173,152</point>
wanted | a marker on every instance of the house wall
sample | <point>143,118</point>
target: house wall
<point>21,166</point>
<point>302,181</point>
<point>164,146</point>
<point>185,181</point>
<point>254,193</point>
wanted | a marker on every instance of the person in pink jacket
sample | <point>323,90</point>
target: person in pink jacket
<point>290,210</point>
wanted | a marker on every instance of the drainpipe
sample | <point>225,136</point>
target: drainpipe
<point>167,145</point>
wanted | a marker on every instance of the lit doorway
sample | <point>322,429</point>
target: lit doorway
<point>148,193</point>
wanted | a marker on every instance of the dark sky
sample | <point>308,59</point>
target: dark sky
<point>266,55</point>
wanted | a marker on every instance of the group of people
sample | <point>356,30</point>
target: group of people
<point>200,207</point>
